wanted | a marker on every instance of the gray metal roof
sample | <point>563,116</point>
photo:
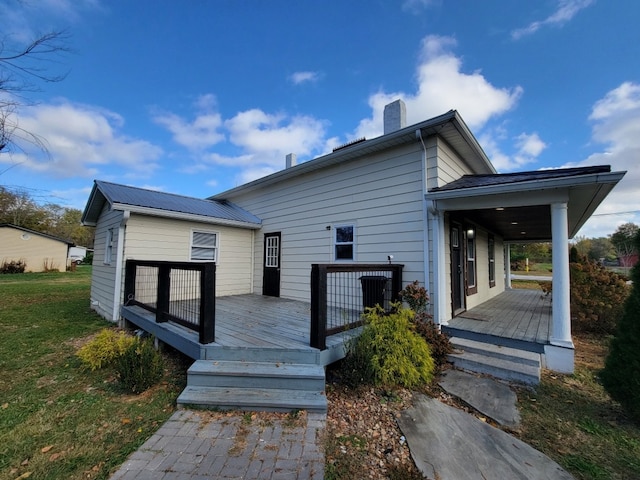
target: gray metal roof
<point>161,204</point>
<point>472,181</point>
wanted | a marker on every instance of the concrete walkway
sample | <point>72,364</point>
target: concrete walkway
<point>201,445</point>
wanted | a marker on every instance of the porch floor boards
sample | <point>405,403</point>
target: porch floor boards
<point>517,314</point>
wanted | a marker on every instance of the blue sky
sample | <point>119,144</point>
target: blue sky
<point>195,97</point>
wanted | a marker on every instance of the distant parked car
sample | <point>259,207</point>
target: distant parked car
<point>76,259</point>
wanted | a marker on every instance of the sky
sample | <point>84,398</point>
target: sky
<point>199,96</point>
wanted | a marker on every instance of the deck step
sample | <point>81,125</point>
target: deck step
<point>214,373</point>
<point>260,354</point>
<point>501,362</point>
<point>253,399</point>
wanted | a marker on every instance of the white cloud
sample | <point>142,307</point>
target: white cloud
<point>418,6</point>
<point>304,77</point>
<point>443,86</point>
<point>566,10</point>
<point>80,139</point>
<point>616,125</point>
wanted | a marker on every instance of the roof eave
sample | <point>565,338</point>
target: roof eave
<point>155,212</point>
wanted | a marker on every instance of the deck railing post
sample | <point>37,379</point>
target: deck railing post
<point>396,282</point>
<point>318,306</point>
<point>164,293</point>
<point>207,327</point>
<point>129,281</point>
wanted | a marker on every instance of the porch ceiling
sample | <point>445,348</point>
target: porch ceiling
<point>516,224</point>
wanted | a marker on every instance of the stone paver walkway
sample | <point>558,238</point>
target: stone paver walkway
<point>201,445</point>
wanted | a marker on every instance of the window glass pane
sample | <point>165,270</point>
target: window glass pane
<point>344,234</point>
<point>344,252</point>
<point>199,253</point>
<point>204,239</point>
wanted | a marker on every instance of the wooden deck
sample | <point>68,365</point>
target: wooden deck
<point>519,318</point>
<point>248,327</point>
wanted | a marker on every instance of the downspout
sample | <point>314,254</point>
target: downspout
<point>425,216</point>
<point>117,294</point>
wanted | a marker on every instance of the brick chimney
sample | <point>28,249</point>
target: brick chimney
<point>395,116</point>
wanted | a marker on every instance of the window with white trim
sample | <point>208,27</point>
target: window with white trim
<point>204,246</point>
<point>472,286</point>
<point>492,261</point>
<point>344,245</point>
<point>108,247</point>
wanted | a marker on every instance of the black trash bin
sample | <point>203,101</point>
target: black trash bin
<point>373,289</point>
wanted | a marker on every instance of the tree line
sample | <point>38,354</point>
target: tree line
<point>18,207</point>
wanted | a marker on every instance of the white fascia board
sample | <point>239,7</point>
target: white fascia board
<point>154,212</point>
<point>524,188</point>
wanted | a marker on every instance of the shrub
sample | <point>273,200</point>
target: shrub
<point>140,366</point>
<point>416,297</point>
<point>13,266</point>
<point>621,374</point>
<point>105,348</point>
<point>389,352</point>
<point>438,341</point>
<point>597,297</point>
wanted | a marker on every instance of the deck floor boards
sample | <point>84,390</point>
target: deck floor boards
<point>515,314</point>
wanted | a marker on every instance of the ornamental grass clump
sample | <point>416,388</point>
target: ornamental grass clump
<point>389,352</point>
<point>140,366</point>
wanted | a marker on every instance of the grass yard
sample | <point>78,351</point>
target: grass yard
<point>57,420</point>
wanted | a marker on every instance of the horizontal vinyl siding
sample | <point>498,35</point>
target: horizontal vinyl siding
<point>380,195</point>
<point>450,166</point>
<point>153,238</point>
<point>103,276</point>
<point>38,253</point>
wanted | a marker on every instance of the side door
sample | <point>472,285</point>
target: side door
<point>271,269</point>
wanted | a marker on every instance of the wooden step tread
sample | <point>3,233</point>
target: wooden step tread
<point>256,369</point>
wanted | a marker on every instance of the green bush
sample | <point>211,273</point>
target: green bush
<point>416,297</point>
<point>621,374</point>
<point>597,297</point>
<point>140,366</point>
<point>389,352</point>
<point>105,348</point>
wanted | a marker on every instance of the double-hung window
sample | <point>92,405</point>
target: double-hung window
<point>204,246</point>
<point>472,275</point>
<point>492,261</point>
<point>344,245</point>
<point>108,247</point>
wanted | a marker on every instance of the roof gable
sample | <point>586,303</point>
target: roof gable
<point>34,232</point>
<point>140,200</point>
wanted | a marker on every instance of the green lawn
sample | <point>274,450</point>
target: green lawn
<point>57,420</point>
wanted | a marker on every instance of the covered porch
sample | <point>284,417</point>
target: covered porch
<point>516,318</point>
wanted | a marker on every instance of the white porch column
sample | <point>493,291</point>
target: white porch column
<point>507,266</point>
<point>438,259</point>
<point>559,355</point>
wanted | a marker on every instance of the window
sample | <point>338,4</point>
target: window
<point>272,251</point>
<point>204,246</point>
<point>108,247</point>
<point>492,261</point>
<point>471,262</point>
<point>344,245</point>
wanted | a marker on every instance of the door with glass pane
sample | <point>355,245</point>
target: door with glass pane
<point>457,270</point>
<point>271,270</point>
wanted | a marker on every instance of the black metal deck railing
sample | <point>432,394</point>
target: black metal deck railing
<point>180,292</point>
<point>340,293</point>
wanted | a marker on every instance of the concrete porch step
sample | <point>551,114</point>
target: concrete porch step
<point>500,362</point>
<point>253,399</point>
<point>272,375</point>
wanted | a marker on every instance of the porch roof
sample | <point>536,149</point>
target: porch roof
<point>516,205</point>
<point>149,202</point>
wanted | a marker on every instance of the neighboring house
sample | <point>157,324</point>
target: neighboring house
<point>425,196</point>
<point>39,251</point>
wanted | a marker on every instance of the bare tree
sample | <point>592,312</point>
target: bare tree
<point>22,69</point>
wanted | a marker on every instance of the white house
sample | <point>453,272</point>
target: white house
<point>425,195</point>
<point>39,251</point>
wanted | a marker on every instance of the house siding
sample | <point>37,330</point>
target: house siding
<point>103,275</point>
<point>156,238</point>
<point>382,194</point>
<point>38,252</point>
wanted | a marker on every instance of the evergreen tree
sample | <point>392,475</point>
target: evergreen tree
<point>621,375</point>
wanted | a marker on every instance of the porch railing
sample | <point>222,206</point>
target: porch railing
<point>181,292</point>
<point>340,293</point>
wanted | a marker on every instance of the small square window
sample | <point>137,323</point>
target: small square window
<point>204,246</point>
